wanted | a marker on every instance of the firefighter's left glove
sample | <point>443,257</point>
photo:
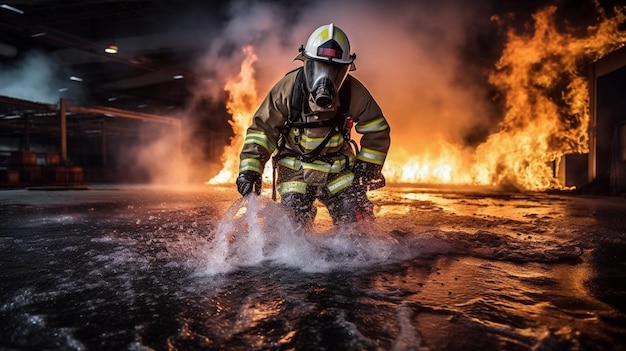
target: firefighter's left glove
<point>249,181</point>
<point>368,175</point>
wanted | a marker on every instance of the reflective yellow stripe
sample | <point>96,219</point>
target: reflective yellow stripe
<point>374,126</point>
<point>290,162</point>
<point>293,163</point>
<point>250,164</point>
<point>292,187</point>
<point>260,139</point>
<point>334,167</point>
<point>340,183</point>
<point>372,156</point>
<point>310,143</point>
<point>317,167</point>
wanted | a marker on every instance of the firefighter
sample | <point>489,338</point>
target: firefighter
<point>305,122</point>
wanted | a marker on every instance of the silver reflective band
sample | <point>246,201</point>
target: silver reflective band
<point>259,139</point>
<point>292,187</point>
<point>293,163</point>
<point>250,164</point>
<point>309,143</point>
<point>340,183</point>
<point>372,156</point>
<point>374,126</point>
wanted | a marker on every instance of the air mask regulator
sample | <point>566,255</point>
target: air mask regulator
<point>323,93</point>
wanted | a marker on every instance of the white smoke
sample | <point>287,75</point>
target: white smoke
<point>31,78</point>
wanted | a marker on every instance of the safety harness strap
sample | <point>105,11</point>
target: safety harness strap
<point>298,105</point>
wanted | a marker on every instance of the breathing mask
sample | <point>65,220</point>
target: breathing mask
<point>323,80</point>
<point>327,60</point>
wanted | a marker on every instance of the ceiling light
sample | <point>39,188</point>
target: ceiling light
<point>36,35</point>
<point>111,49</point>
<point>62,90</point>
<point>11,8</point>
<point>76,79</point>
<point>178,76</point>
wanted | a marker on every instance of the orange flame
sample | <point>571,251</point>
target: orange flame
<point>546,112</point>
<point>546,101</point>
<point>241,104</point>
<point>445,166</point>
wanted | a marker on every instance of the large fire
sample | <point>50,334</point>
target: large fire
<point>546,101</point>
<point>541,77</point>
<point>241,104</point>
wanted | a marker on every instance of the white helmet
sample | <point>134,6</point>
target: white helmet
<point>328,43</point>
<point>327,60</point>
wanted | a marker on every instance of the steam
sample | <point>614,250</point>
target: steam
<point>32,78</point>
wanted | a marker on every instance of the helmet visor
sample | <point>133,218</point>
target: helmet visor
<point>329,75</point>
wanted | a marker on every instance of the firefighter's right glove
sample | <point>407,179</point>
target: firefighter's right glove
<point>249,181</point>
<point>368,175</point>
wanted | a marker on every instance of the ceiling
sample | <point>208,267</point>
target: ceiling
<point>153,71</point>
<point>158,41</point>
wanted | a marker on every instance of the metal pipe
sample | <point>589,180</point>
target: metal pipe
<point>63,115</point>
<point>26,103</point>
<point>26,133</point>
<point>109,111</point>
<point>103,145</point>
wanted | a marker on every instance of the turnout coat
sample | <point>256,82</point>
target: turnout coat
<point>302,162</point>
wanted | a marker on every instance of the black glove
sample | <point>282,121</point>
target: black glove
<point>368,175</point>
<point>248,181</point>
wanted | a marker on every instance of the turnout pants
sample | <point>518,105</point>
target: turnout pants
<point>298,189</point>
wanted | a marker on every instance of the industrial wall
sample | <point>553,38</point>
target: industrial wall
<point>607,158</point>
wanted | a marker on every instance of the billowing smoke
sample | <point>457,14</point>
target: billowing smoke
<point>31,78</point>
<point>426,63</point>
<point>408,55</point>
<point>170,154</point>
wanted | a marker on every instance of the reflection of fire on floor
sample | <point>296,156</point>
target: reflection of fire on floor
<point>514,214</point>
<point>441,261</point>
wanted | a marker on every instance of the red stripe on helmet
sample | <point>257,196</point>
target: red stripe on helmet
<point>329,52</point>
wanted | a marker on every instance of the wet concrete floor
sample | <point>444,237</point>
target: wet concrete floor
<point>159,268</point>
